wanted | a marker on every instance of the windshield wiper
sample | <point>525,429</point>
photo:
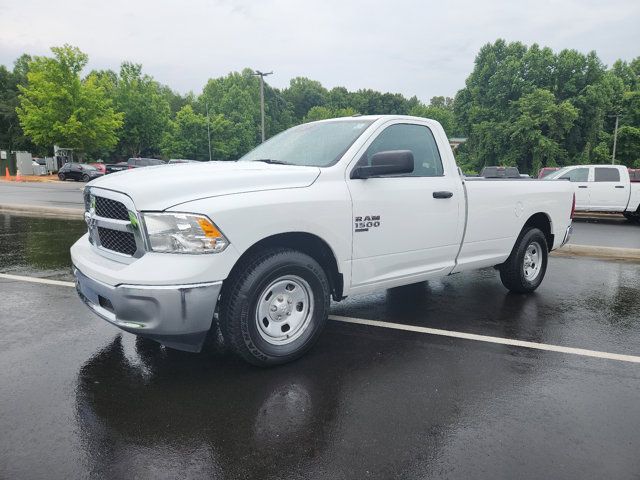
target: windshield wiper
<point>271,161</point>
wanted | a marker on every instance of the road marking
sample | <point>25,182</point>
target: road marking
<point>46,281</point>
<point>413,328</point>
<point>488,339</point>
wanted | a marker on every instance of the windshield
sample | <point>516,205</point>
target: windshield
<point>319,144</point>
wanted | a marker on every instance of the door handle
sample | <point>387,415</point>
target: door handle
<point>619,186</point>
<point>582,186</point>
<point>442,194</point>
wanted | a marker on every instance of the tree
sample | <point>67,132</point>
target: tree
<point>628,147</point>
<point>58,107</point>
<point>303,94</point>
<point>146,111</point>
<point>542,108</point>
<point>11,135</point>
<point>323,113</point>
<point>187,136</point>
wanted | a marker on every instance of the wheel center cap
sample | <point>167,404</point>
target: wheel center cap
<point>279,308</point>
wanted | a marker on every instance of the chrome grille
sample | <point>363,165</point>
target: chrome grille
<point>118,241</point>
<point>107,208</point>
<point>113,224</point>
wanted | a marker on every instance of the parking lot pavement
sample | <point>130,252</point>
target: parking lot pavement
<point>49,194</point>
<point>78,398</point>
<point>608,232</point>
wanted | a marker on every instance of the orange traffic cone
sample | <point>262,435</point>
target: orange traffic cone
<point>7,174</point>
<point>18,176</point>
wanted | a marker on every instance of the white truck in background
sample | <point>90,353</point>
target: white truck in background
<point>602,188</point>
<point>325,209</point>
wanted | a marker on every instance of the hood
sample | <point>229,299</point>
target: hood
<point>164,186</point>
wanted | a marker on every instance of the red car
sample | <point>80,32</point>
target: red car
<point>99,166</point>
<point>546,171</point>
<point>634,174</point>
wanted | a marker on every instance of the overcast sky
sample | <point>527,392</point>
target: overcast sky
<point>415,47</point>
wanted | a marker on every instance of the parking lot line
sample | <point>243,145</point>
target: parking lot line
<point>414,328</point>
<point>488,339</point>
<point>46,281</point>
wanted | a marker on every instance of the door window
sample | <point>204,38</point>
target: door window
<point>603,174</point>
<point>577,175</point>
<point>416,138</point>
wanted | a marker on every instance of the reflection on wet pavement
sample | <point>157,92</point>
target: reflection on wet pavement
<point>38,246</point>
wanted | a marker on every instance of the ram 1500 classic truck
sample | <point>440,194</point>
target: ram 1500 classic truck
<point>602,188</point>
<point>325,209</point>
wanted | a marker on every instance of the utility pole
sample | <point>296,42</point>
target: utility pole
<point>208,130</point>
<point>615,140</point>
<point>260,74</point>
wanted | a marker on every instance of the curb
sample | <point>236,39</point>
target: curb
<point>606,253</point>
<point>25,179</point>
<point>43,211</point>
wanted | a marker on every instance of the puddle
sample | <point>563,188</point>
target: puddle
<point>38,246</point>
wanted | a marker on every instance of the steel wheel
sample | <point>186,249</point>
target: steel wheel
<point>284,310</point>
<point>532,261</point>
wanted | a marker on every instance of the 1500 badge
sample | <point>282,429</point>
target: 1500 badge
<point>363,224</point>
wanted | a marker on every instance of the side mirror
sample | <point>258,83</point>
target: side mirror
<point>391,162</point>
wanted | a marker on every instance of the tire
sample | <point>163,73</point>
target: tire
<point>525,268</point>
<point>274,307</point>
<point>632,216</point>
<point>85,178</point>
<point>62,177</point>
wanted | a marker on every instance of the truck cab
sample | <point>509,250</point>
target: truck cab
<point>601,188</point>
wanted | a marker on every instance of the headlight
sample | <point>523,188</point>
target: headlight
<point>183,233</point>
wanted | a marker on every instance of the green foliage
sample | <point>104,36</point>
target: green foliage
<point>628,148</point>
<point>304,94</point>
<point>323,113</point>
<point>58,107</point>
<point>530,107</point>
<point>146,111</point>
<point>11,135</point>
<point>187,136</point>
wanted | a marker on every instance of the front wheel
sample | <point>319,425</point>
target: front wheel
<point>85,178</point>
<point>275,306</point>
<point>525,268</point>
<point>62,177</point>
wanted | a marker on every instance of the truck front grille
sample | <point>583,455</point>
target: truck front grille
<point>107,208</point>
<point>118,241</point>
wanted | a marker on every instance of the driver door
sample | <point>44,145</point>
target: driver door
<point>579,178</point>
<point>400,228</point>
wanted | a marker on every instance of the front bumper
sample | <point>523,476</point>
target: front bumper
<point>178,316</point>
<point>567,235</point>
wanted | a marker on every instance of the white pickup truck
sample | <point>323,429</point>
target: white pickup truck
<point>325,209</point>
<point>602,188</point>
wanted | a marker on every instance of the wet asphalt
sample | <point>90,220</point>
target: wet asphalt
<point>79,399</point>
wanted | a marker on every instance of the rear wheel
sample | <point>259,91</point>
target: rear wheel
<point>275,306</point>
<point>525,268</point>
<point>62,177</point>
<point>632,216</point>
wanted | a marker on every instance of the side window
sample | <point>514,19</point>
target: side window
<point>418,139</point>
<point>577,175</point>
<point>604,174</point>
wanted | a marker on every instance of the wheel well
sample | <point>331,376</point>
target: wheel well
<point>307,243</point>
<point>541,221</point>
